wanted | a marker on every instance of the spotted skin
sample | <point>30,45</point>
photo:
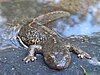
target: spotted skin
<point>40,39</point>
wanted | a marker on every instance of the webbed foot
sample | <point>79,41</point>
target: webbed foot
<point>79,52</point>
<point>32,49</point>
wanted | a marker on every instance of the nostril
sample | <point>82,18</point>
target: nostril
<point>59,67</point>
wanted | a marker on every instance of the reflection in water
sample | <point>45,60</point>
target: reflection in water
<point>7,36</point>
<point>84,28</point>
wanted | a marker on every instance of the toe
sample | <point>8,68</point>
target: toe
<point>29,58</point>
<point>84,55</point>
<point>87,56</point>
<point>33,58</point>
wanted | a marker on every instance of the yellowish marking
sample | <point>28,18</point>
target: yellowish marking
<point>22,42</point>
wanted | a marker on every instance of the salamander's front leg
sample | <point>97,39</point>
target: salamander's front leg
<point>79,52</point>
<point>32,49</point>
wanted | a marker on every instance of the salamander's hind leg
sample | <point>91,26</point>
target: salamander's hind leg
<point>78,51</point>
<point>31,55</point>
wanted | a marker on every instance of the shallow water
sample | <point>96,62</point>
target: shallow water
<point>85,34</point>
<point>87,27</point>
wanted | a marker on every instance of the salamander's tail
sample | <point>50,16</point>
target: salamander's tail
<point>51,16</point>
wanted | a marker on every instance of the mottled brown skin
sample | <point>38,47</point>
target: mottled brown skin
<point>54,50</point>
<point>41,39</point>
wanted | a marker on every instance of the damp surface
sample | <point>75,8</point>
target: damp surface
<point>85,34</point>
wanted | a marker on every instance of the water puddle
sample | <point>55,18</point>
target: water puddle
<point>87,27</point>
<point>7,35</point>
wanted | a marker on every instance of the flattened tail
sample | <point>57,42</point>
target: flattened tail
<point>51,16</point>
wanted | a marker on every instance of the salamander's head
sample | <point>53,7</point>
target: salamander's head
<point>57,60</point>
